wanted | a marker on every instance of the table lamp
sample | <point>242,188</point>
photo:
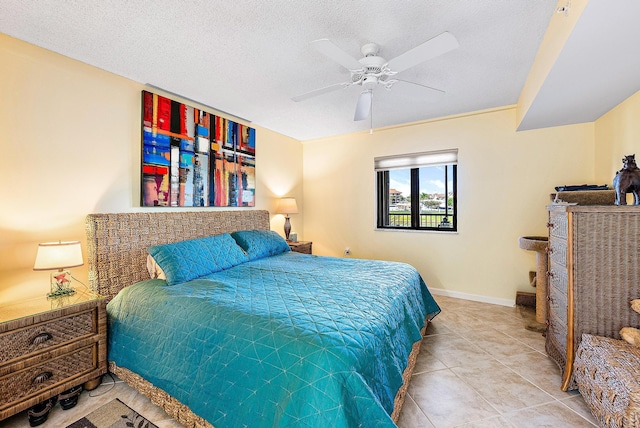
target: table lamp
<point>58,256</point>
<point>287,206</point>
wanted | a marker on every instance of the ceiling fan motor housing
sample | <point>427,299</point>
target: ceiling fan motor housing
<point>369,82</point>
<point>372,70</point>
<point>370,49</point>
<point>372,64</point>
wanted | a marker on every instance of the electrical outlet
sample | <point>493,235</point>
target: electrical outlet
<point>347,251</point>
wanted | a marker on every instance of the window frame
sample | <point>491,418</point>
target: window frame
<point>413,163</point>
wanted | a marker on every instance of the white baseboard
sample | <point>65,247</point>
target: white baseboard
<point>473,297</point>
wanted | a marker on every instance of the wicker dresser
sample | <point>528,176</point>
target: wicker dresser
<point>594,271</point>
<point>48,346</point>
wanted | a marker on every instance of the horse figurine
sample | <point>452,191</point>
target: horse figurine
<point>627,180</point>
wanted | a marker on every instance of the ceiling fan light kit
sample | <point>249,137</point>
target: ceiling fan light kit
<point>372,71</point>
<point>363,106</point>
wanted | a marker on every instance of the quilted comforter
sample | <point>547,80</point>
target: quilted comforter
<point>289,340</point>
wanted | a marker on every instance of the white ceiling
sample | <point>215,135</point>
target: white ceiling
<point>249,57</point>
<point>597,69</point>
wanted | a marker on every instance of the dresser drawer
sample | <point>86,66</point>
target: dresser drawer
<point>558,279</point>
<point>558,306</point>
<point>559,346</point>
<point>557,331</point>
<point>22,342</point>
<point>558,226</point>
<point>558,251</point>
<point>30,381</point>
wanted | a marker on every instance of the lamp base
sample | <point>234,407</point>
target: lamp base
<point>287,228</point>
<point>60,284</point>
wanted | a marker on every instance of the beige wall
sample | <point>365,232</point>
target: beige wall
<point>617,133</point>
<point>70,145</point>
<point>504,181</point>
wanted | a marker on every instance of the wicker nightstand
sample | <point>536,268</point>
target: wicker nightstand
<point>300,246</point>
<point>48,346</point>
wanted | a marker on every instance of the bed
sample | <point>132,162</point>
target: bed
<point>268,337</point>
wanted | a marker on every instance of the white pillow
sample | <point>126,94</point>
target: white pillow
<point>155,271</point>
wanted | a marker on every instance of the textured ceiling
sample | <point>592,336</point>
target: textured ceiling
<point>249,57</point>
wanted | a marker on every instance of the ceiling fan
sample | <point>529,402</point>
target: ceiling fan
<point>372,70</point>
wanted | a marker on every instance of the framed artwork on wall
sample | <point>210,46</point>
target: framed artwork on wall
<point>193,158</point>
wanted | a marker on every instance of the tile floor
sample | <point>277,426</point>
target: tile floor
<point>478,367</point>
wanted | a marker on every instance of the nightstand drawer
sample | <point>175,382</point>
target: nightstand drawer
<point>23,383</point>
<point>22,342</point>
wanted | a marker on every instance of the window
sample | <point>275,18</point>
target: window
<point>418,191</point>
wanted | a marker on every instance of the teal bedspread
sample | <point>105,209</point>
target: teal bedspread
<point>292,340</point>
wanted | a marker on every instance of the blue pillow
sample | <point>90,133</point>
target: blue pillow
<point>186,260</point>
<point>260,243</point>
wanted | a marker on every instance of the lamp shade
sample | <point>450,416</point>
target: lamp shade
<point>58,255</point>
<point>287,206</point>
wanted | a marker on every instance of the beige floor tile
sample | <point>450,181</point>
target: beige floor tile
<point>577,404</point>
<point>412,416</point>
<point>447,401</point>
<point>504,389</point>
<point>436,327</point>
<point>495,422</point>
<point>489,350</point>
<point>456,320</point>
<point>497,319</point>
<point>497,343</point>
<point>539,370</point>
<point>551,415</point>
<point>453,350</point>
<point>532,339</point>
<point>427,362</point>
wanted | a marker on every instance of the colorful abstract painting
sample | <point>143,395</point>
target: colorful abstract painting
<point>192,158</point>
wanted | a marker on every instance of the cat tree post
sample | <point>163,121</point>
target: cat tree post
<point>539,245</point>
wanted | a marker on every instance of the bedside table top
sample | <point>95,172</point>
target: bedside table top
<point>34,305</point>
<point>298,243</point>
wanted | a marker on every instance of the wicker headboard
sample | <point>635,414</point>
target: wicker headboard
<point>117,243</point>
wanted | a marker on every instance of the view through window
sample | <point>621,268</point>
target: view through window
<point>417,191</point>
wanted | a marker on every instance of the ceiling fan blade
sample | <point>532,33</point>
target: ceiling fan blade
<point>428,91</point>
<point>432,48</point>
<point>320,91</point>
<point>363,107</point>
<point>326,47</point>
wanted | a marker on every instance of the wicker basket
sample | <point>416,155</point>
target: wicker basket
<point>607,372</point>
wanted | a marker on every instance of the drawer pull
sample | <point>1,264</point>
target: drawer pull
<point>549,225</point>
<point>42,377</point>
<point>41,338</point>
